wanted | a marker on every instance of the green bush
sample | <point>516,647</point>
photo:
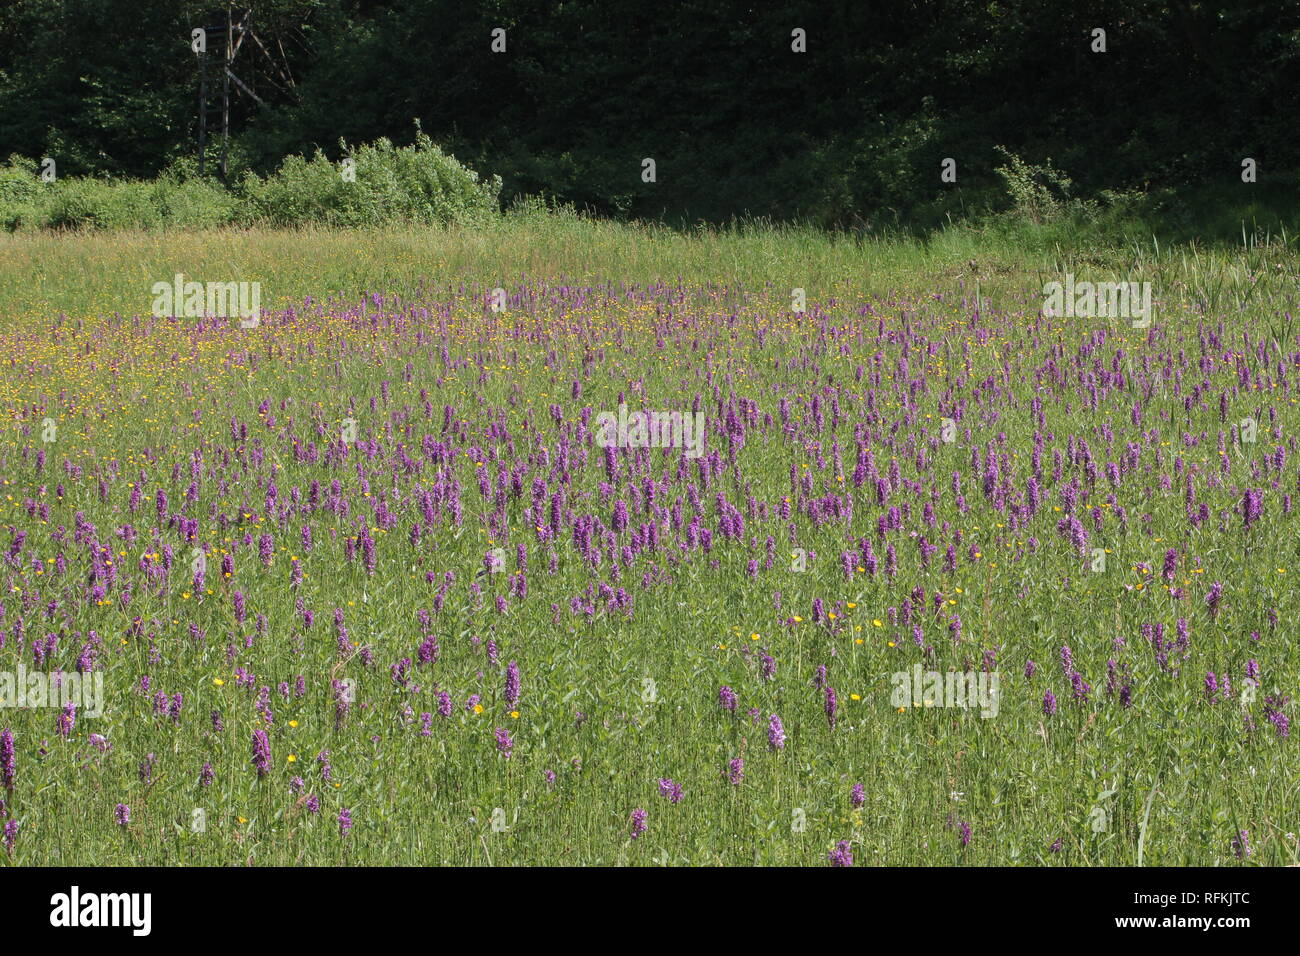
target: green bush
<point>19,183</point>
<point>80,203</point>
<point>20,193</point>
<point>1041,194</point>
<point>100,204</point>
<point>418,183</point>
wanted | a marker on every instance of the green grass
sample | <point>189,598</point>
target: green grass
<point>131,394</point>
<point>91,274</point>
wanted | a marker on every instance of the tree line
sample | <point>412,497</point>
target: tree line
<point>835,111</point>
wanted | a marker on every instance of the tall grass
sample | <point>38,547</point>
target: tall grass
<point>94,273</point>
<point>145,400</point>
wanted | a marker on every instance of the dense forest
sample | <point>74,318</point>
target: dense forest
<point>837,112</point>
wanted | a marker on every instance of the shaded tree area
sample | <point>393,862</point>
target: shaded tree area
<point>853,131</point>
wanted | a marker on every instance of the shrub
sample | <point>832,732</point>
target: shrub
<point>418,183</point>
<point>1040,194</point>
<point>20,193</point>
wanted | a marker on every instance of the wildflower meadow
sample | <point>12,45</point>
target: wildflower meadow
<point>615,434</point>
<point>589,565</point>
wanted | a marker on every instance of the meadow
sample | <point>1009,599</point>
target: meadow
<point>363,585</point>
